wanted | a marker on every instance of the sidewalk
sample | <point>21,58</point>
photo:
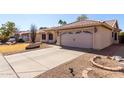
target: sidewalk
<point>5,69</point>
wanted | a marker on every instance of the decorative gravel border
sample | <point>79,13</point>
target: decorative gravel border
<point>118,68</point>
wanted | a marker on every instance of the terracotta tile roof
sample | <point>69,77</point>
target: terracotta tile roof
<point>80,24</point>
<point>84,23</point>
<point>76,24</point>
<point>110,22</point>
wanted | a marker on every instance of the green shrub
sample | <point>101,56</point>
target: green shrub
<point>121,34</point>
<point>21,40</point>
<point>121,37</point>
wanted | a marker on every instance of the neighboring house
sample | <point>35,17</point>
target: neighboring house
<point>25,35</point>
<point>83,34</point>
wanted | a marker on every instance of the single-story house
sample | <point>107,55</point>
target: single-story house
<point>83,34</point>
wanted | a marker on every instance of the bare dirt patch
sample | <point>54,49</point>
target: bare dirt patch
<point>79,64</point>
<point>99,73</point>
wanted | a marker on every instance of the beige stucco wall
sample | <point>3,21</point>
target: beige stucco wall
<point>58,39</point>
<point>47,38</point>
<point>38,37</point>
<point>102,38</point>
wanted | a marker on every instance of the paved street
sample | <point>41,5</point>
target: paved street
<point>33,63</point>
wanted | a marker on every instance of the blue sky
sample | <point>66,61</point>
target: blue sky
<point>23,21</point>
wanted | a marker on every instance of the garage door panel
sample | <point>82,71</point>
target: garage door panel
<point>84,40</point>
<point>67,40</point>
<point>81,40</point>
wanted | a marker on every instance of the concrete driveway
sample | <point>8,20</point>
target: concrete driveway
<point>33,63</point>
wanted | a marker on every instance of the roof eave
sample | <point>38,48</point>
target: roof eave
<point>56,29</point>
<point>81,26</point>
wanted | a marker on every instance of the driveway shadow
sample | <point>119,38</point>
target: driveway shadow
<point>113,50</point>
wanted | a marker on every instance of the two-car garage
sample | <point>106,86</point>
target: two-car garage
<point>80,39</point>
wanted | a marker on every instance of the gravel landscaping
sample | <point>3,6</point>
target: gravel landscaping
<point>106,62</point>
<point>74,68</point>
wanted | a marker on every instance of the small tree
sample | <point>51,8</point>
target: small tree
<point>82,17</point>
<point>33,30</point>
<point>8,29</point>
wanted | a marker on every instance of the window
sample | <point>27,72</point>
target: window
<point>50,36</point>
<point>115,37</point>
<point>43,36</point>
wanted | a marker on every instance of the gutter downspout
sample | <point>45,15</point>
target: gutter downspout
<point>95,30</point>
<point>60,38</point>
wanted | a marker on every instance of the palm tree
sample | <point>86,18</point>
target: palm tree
<point>33,30</point>
<point>62,22</point>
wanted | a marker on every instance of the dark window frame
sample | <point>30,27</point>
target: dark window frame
<point>43,36</point>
